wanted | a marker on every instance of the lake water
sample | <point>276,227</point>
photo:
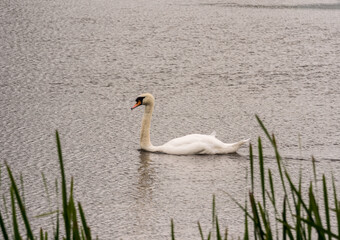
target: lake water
<point>78,66</point>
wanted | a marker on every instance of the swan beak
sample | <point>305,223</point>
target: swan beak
<point>136,105</point>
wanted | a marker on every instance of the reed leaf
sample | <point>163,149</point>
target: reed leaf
<point>76,234</point>
<point>246,230</point>
<point>277,156</point>
<point>264,129</point>
<point>63,187</point>
<point>16,232</point>
<point>46,189</point>
<point>46,214</point>
<point>314,174</point>
<point>200,230</point>
<point>309,218</point>
<point>271,184</point>
<point>286,228</point>
<point>298,229</point>
<point>284,220</point>
<point>320,229</point>
<point>336,205</point>
<point>70,204</point>
<point>251,166</point>
<point>226,234</point>
<point>315,210</point>
<point>262,174</point>
<point>22,188</point>
<point>213,210</point>
<point>20,204</point>
<point>218,233</point>
<point>266,222</point>
<point>56,234</point>
<point>172,230</point>
<point>5,205</point>
<point>86,228</point>
<point>41,234</point>
<point>299,195</point>
<point>3,227</point>
<point>326,203</point>
<point>0,175</point>
<point>258,226</point>
<point>82,234</point>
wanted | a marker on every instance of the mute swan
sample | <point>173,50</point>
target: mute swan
<point>189,144</point>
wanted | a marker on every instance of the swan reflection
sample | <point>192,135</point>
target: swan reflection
<point>145,176</point>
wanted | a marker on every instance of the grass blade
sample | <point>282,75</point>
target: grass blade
<point>41,234</point>
<point>251,166</point>
<point>246,230</point>
<point>172,230</point>
<point>46,214</point>
<point>76,235</point>
<point>320,229</point>
<point>314,175</point>
<point>337,205</point>
<point>22,188</point>
<point>262,174</point>
<point>56,234</point>
<point>286,228</point>
<point>5,205</point>
<point>326,203</point>
<point>257,222</point>
<point>213,210</point>
<point>271,184</point>
<point>226,234</point>
<point>264,129</point>
<point>315,210</point>
<point>83,220</point>
<point>72,214</point>
<point>298,227</point>
<point>277,156</point>
<point>218,233</point>
<point>299,195</point>
<point>20,204</point>
<point>14,217</point>
<point>63,187</point>
<point>3,228</point>
<point>266,222</point>
<point>200,230</point>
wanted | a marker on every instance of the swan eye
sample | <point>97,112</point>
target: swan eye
<point>140,99</point>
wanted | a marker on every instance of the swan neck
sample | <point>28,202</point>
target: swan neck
<point>145,141</point>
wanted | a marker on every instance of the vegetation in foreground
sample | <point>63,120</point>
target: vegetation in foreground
<point>74,228</point>
<point>315,215</point>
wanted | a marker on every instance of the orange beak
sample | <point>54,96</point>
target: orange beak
<point>136,105</point>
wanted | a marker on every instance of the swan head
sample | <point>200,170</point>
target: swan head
<point>144,99</point>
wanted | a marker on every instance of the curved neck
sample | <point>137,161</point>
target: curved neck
<point>145,141</point>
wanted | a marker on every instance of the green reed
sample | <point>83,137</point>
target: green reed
<point>75,228</point>
<point>301,214</point>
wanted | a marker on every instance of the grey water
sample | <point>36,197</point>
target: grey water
<point>77,66</point>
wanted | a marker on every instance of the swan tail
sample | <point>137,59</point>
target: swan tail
<point>240,143</point>
<point>231,148</point>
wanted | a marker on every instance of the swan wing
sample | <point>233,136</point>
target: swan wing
<point>193,144</point>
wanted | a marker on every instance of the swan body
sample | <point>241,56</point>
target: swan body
<point>186,145</point>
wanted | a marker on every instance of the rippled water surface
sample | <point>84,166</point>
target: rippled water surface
<point>77,66</point>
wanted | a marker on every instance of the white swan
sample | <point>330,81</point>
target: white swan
<point>189,144</point>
